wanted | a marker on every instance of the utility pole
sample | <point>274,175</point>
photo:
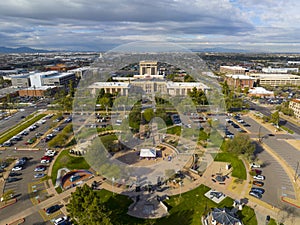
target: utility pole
<point>296,172</point>
<point>259,135</point>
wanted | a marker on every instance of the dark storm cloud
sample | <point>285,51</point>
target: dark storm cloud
<point>86,24</point>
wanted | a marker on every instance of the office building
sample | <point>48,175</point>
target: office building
<point>295,106</point>
<point>233,70</point>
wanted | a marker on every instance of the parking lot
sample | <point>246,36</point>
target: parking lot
<point>277,182</point>
<point>27,189</point>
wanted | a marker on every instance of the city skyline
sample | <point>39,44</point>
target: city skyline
<point>255,26</point>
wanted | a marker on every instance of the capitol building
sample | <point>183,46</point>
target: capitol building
<point>149,81</point>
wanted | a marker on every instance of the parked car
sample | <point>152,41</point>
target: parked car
<point>46,157</point>
<point>39,175</point>
<point>255,194</point>
<point>12,179</point>
<point>17,168</point>
<point>52,209</point>
<point>3,165</point>
<point>253,165</point>
<point>258,190</point>
<point>7,144</point>
<point>20,162</point>
<point>50,153</point>
<point>24,133</point>
<point>29,141</point>
<point>14,174</point>
<point>258,172</point>
<point>259,177</point>
<point>44,161</point>
<point>62,221</point>
<point>258,183</point>
<point>40,168</point>
<point>57,129</point>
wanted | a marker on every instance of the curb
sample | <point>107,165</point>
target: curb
<point>19,221</point>
<point>288,202</point>
<point>9,204</point>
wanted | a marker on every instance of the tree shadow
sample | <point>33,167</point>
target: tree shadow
<point>184,217</point>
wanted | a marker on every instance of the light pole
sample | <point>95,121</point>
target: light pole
<point>296,172</point>
<point>112,185</point>
<point>180,184</point>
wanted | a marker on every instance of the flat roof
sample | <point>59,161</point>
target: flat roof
<point>8,90</point>
<point>275,76</point>
<point>109,84</point>
<point>43,88</point>
<point>296,100</point>
<point>240,76</point>
<point>260,90</point>
<point>171,84</point>
<point>234,67</point>
<point>59,75</point>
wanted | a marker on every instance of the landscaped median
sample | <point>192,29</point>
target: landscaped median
<point>65,160</point>
<point>19,128</point>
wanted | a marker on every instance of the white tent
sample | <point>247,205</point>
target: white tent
<point>148,152</point>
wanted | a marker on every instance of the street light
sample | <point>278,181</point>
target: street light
<point>112,185</point>
<point>180,184</point>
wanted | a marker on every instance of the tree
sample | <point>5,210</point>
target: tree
<point>198,96</point>
<point>275,117</point>
<point>85,208</point>
<point>148,114</point>
<point>241,144</point>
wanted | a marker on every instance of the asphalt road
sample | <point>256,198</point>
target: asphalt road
<point>267,112</point>
<point>6,124</point>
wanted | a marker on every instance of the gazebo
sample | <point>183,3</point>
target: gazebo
<point>224,216</point>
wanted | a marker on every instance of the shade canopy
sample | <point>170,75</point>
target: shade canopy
<point>148,152</point>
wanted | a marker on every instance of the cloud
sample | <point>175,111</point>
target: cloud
<point>78,24</point>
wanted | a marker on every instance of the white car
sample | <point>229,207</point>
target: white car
<point>44,161</point>
<point>50,153</point>
<point>259,177</point>
<point>60,220</point>
<point>17,168</point>
<point>253,165</point>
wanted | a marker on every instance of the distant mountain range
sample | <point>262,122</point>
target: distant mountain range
<point>221,50</point>
<point>32,50</point>
<point>22,50</point>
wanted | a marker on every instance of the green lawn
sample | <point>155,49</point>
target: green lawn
<point>272,222</point>
<point>239,170</point>
<point>174,130</point>
<point>68,161</point>
<point>184,210</point>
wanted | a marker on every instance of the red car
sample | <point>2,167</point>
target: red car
<point>258,172</point>
<point>258,183</point>
<point>46,158</point>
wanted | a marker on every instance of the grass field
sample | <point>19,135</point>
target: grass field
<point>174,130</point>
<point>239,170</point>
<point>67,161</point>
<point>184,210</point>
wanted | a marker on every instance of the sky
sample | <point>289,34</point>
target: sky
<point>96,25</point>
